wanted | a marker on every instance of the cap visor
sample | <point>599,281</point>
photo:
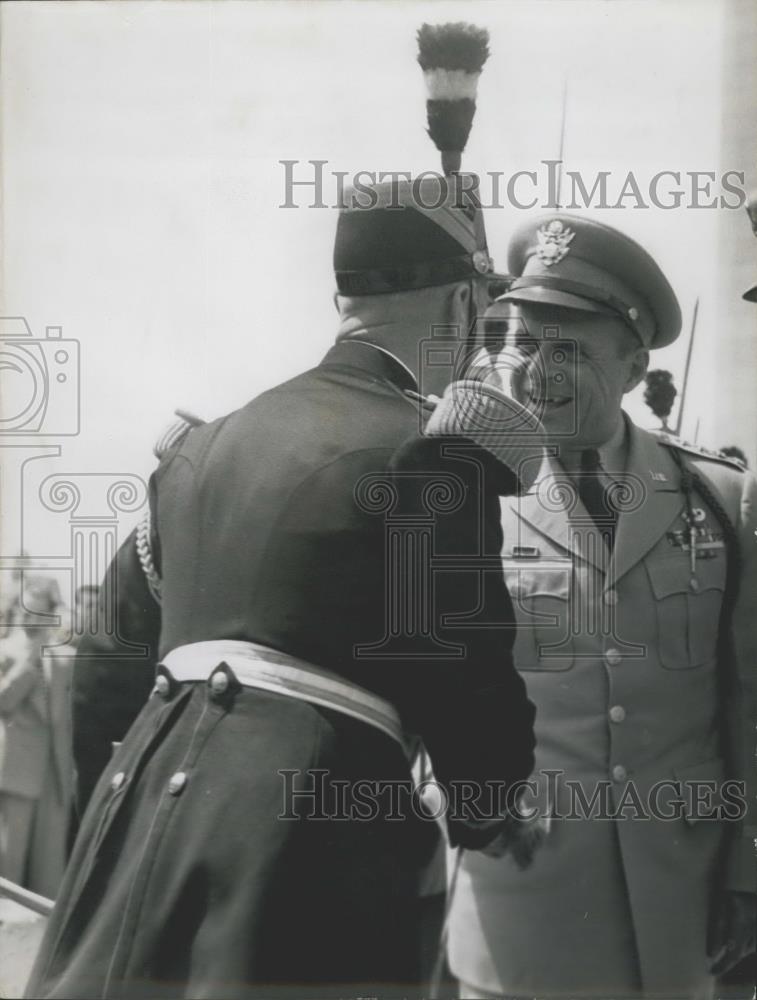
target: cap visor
<point>544,295</point>
<point>750,295</point>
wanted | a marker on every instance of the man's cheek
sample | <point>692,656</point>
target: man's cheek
<point>521,385</point>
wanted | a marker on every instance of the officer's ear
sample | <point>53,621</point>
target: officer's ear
<point>461,296</point>
<point>639,362</point>
<point>336,300</point>
<point>458,305</point>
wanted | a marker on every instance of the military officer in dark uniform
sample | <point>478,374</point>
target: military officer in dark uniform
<point>213,859</point>
<point>632,564</point>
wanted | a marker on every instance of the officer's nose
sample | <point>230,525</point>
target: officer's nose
<point>533,370</point>
<point>526,375</point>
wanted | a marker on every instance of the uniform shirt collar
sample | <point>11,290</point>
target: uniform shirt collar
<point>613,454</point>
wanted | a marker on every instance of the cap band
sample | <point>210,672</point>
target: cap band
<point>425,274</point>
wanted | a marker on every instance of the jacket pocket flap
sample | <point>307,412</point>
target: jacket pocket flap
<point>701,786</point>
<point>526,581</point>
<point>673,576</point>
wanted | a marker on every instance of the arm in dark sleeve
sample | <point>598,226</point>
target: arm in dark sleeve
<point>473,715</point>
<point>114,667</point>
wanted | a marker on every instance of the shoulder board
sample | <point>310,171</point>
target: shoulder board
<point>176,432</point>
<point>671,441</point>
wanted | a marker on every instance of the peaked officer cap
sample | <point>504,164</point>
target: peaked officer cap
<point>577,263</point>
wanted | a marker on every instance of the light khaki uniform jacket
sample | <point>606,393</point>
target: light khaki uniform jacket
<point>621,663</point>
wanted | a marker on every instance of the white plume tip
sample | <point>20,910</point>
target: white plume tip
<point>450,84</point>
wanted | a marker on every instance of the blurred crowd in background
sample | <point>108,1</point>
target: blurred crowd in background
<point>36,764</point>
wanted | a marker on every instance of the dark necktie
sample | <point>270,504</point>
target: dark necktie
<point>594,495</point>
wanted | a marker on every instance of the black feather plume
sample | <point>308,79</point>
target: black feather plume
<point>449,123</point>
<point>453,46</point>
<point>451,57</point>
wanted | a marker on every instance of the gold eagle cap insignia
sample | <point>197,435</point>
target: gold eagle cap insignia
<point>554,242</point>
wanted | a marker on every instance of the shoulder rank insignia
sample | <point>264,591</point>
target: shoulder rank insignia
<point>176,432</point>
<point>554,242</point>
<point>671,441</point>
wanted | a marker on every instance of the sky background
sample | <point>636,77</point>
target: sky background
<point>141,183</point>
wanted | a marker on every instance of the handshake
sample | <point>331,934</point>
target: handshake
<point>516,834</point>
<point>520,837</point>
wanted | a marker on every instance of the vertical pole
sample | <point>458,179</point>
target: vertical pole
<point>687,368</point>
<point>561,152</point>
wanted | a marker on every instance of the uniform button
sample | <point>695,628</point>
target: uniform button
<point>617,713</point>
<point>613,657</point>
<point>117,781</point>
<point>694,584</point>
<point>611,598</point>
<point>619,773</point>
<point>219,682</point>
<point>177,783</point>
<point>162,685</point>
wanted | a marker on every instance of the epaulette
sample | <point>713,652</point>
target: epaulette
<point>170,438</point>
<point>176,432</point>
<point>671,441</point>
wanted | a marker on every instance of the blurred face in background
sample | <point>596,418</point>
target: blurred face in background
<point>36,603</point>
<point>85,607</point>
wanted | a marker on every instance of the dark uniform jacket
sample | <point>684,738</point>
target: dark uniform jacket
<point>294,523</point>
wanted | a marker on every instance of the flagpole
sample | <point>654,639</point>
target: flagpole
<point>687,368</point>
<point>561,152</point>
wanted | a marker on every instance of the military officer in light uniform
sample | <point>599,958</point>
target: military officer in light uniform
<point>632,568</point>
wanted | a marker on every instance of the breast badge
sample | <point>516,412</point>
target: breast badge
<point>706,541</point>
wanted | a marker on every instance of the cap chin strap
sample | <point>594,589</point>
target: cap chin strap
<point>612,302</point>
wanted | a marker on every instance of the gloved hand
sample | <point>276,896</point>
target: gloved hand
<point>476,410</point>
<point>521,838</point>
<point>732,931</point>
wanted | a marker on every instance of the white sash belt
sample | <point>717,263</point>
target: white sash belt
<point>271,670</point>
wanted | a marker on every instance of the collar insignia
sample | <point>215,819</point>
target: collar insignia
<point>554,242</point>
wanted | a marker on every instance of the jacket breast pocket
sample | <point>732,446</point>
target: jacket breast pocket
<point>541,598</point>
<point>687,616</point>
